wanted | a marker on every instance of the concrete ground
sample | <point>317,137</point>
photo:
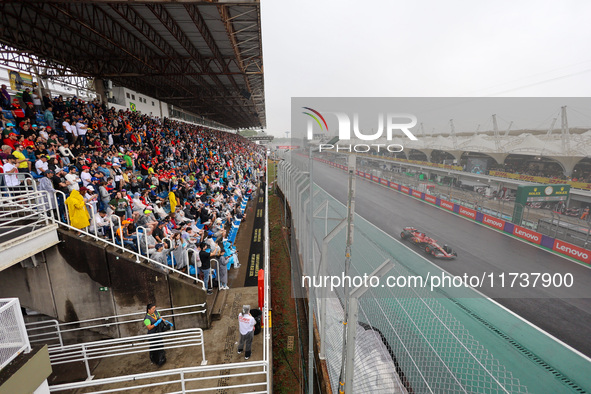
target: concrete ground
<point>221,342</point>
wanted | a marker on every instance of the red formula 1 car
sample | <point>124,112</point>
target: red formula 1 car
<point>429,245</point>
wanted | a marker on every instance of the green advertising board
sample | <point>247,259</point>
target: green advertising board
<point>537,193</point>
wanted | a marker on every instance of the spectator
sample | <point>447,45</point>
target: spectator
<point>172,200</point>
<point>161,256</point>
<point>46,184</point>
<point>85,176</point>
<point>79,217</point>
<point>41,165</point>
<point>205,258</point>
<point>246,325</point>
<point>27,98</point>
<point>119,204</point>
<point>22,162</point>
<point>4,97</point>
<point>11,179</point>
<point>48,115</point>
<point>73,181</point>
<point>81,129</point>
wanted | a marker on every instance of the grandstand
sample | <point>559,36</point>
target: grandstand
<point>131,186</point>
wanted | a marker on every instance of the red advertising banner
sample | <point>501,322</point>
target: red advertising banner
<point>368,176</point>
<point>447,205</point>
<point>467,212</point>
<point>384,182</point>
<point>571,250</point>
<point>430,198</point>
<point>361,173</point>
<point>405,189</point>
<point>527,234</point>
<point>394,185</point>
<point>493,222</point>
<point>416,193</point>
<point>375,178</point>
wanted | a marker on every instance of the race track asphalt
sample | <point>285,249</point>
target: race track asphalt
<point>564,313</point>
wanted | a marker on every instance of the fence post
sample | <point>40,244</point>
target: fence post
<point>203,360</point>
<point>89,376</point>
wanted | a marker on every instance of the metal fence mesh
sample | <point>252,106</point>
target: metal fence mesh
<point>407,340</point>
<point>13,336</point>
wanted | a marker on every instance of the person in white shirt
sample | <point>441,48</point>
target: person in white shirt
<point>81,129</point>
<point>72,179</point>
<point>69,130</point>
<point>85,176</point>
<point>246,325</point>
<point>43,133</point>
<point>66,154</point>
<point>9,167</point>
<point>100,222</point>
<point>41,165</point>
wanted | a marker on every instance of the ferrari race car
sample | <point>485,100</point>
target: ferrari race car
<point>429,245</point>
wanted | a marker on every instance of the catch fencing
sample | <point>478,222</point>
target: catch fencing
<point>405,339</point>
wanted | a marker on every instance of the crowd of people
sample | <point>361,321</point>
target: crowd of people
<point>172,184</point>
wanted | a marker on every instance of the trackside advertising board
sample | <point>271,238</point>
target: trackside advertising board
<point>527,234</point>
<point>572,250</point>
<point>559,246</point>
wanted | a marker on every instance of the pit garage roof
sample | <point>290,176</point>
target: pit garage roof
<point>204,57</point>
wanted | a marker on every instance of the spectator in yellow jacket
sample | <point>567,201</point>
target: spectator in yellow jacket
<point>172,200</point>
<point>79,216</point>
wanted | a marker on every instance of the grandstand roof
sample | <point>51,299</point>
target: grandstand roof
<point>204,57</point>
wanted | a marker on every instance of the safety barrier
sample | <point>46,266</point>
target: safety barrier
<point>48,331</point>
<point>559,246</point>
<point>84,352</point>
<point>182,380</point>
<point>13,337</point>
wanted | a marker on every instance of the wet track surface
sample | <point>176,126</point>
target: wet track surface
<point>562,312</point>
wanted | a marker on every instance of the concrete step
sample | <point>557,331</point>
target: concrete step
<point>218,304</point>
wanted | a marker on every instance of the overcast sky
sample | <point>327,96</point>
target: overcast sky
<point>452,48</point>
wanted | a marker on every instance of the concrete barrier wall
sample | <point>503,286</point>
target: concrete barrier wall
<point>68,286</point>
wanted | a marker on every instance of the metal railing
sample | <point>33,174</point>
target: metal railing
<point>26,211</point>
<point>85,352</point>
<point>182,380</point>
<point>138,256</point>
<point>13,334</point>
<point>266,317</point>
<point>47,331</point>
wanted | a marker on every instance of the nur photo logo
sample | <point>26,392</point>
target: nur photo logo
<point>391,123</point>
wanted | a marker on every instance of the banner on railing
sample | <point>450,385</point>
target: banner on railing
<point>467,212</point>
<point>527,234</point>
<point>447,205</point>
<point>572,251</point>
<point>493,222</point>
